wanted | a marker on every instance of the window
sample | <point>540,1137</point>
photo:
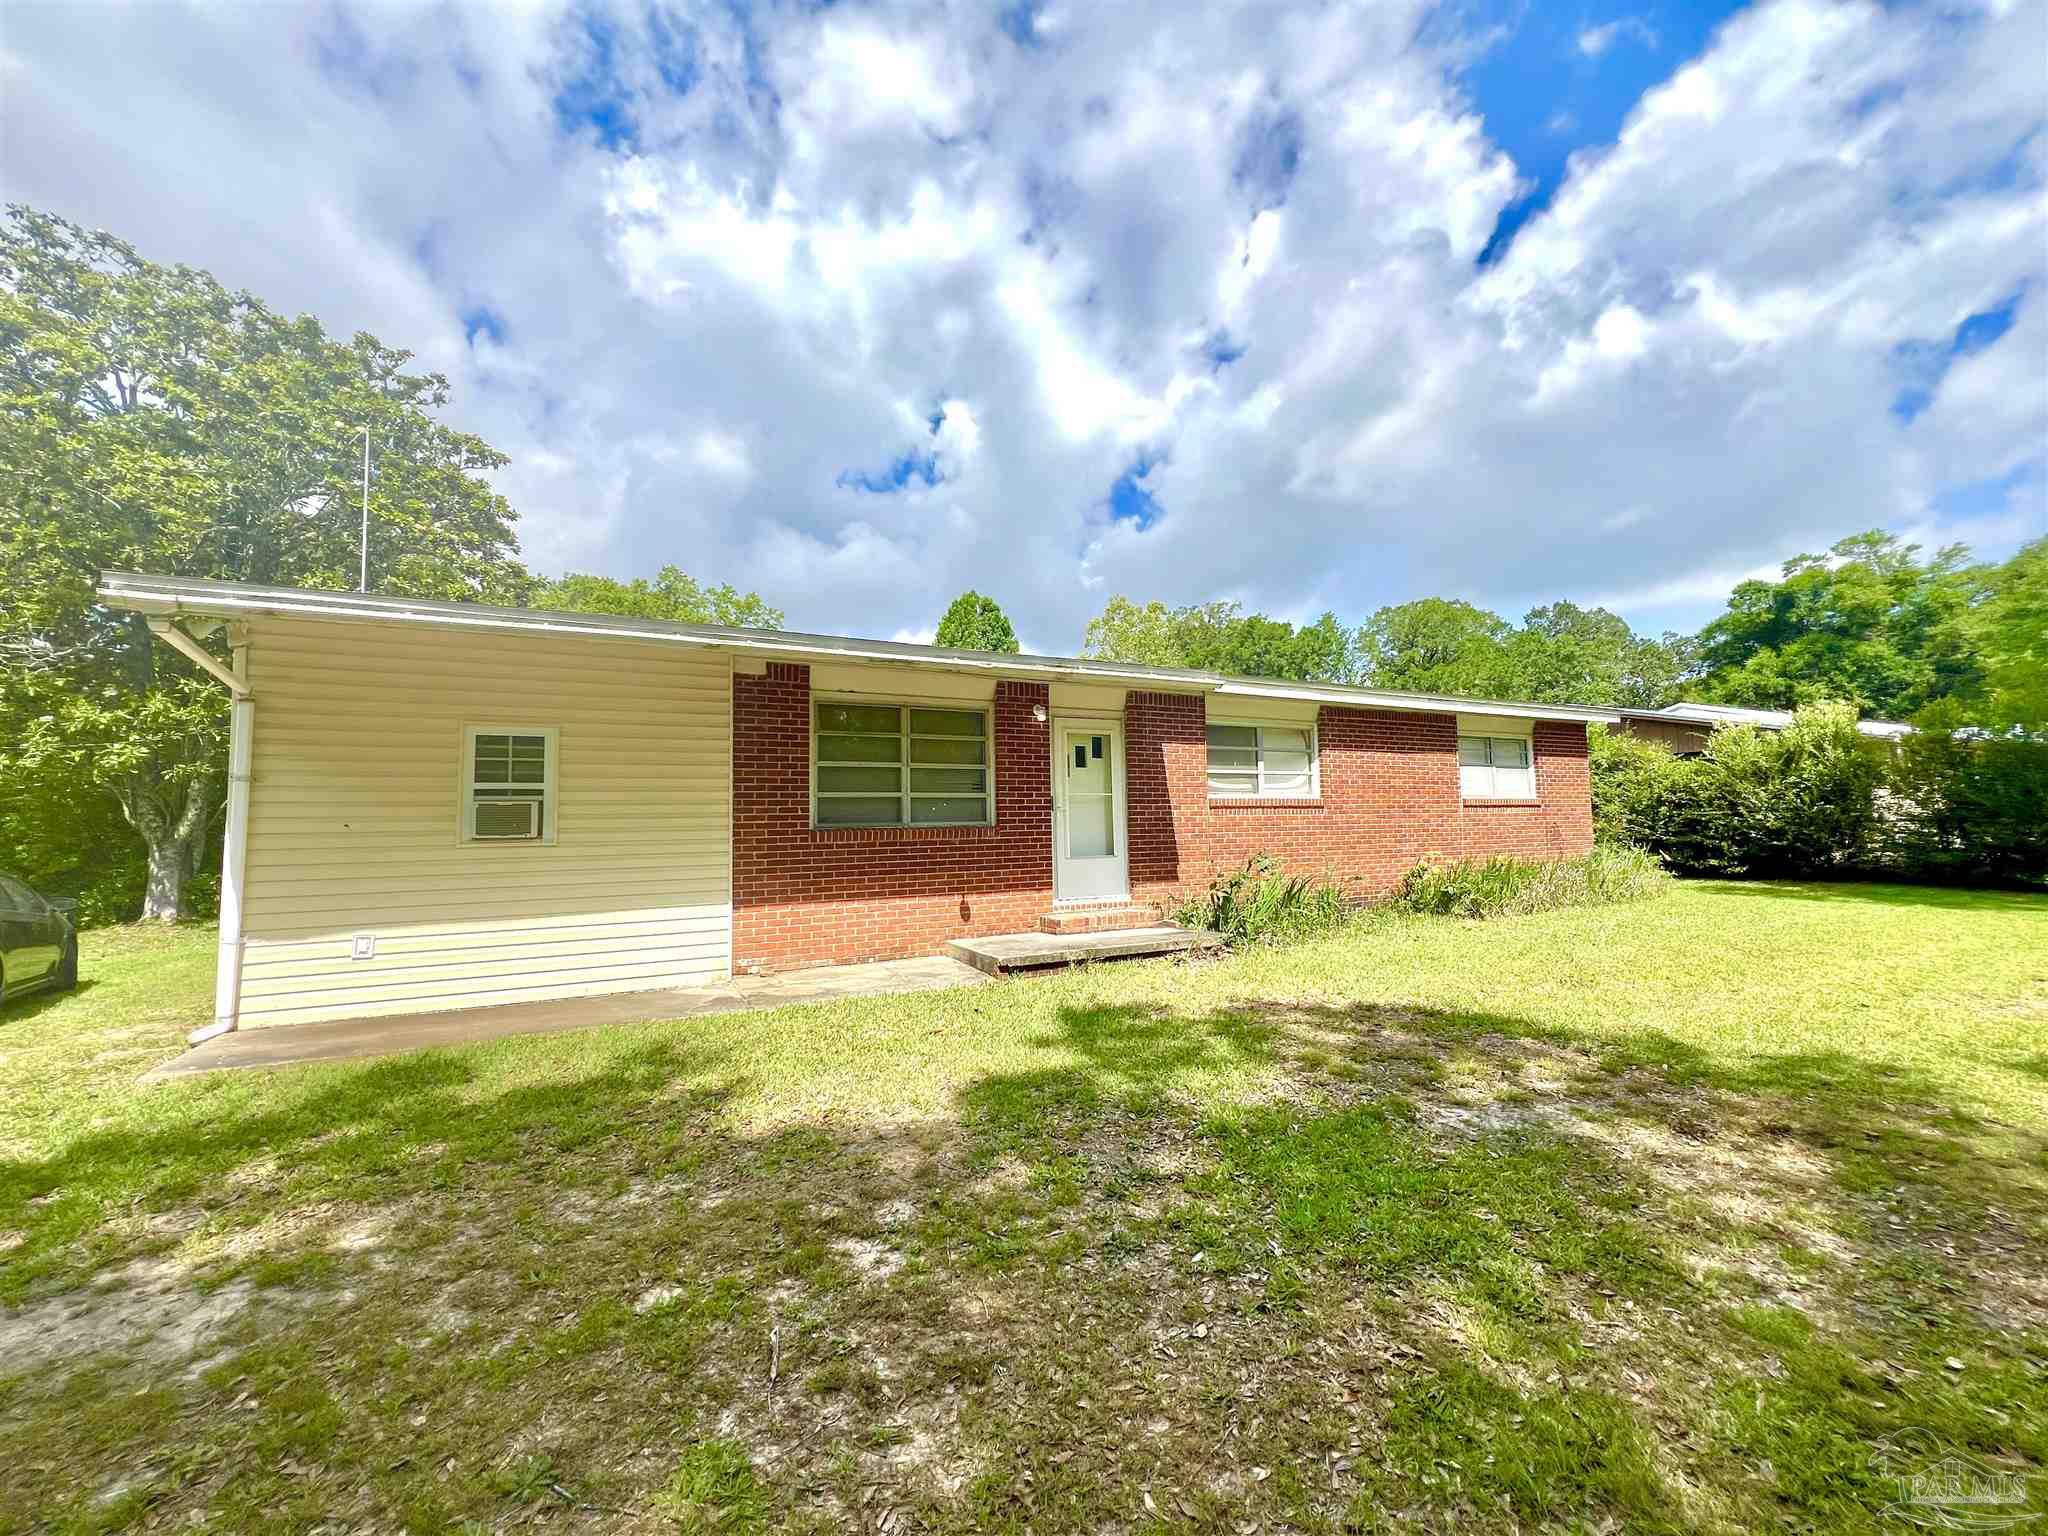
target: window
<point>1495,768</point>
<point>508,785</point>
<point>901,765</point>
<point>1273,761</point>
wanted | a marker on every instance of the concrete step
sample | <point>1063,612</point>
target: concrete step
<point>1004,952</point>
<point>1100,919</point>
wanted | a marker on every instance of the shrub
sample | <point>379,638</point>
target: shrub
<point>1630,778</point>
<point>1801,801</point>
<point>1502,885</point>
<point>1819,799</point>
<point>1967,809</point>
<point>1259,905</point>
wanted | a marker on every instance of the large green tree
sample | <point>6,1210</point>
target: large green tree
<point>1221,637</point>
<point>672,594</point>
<point>1870,622</point>
<point>151,418</point>
<point>1565,654</point>
<point>1561,654</point>
<point>976,623</point>
<point>1440,645</point>
<point>2010,634</point>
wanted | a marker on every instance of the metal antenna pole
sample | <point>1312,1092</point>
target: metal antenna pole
<point>363,582</point>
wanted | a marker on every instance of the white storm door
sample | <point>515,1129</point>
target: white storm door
<point>1089,858</point>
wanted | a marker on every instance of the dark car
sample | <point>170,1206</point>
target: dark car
<point>38,942</point>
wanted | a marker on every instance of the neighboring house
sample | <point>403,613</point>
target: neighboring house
<point>1685,728</point>
<point>440,805</point>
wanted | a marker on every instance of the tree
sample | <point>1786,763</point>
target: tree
<point>1869,622</point>
<point>1437,645</point>
<point>671,595</point>
<point>1143,636</point>
<point>151,418</point>
<point>2010,634</point>
<point>1561,654</point>
<point>975,623</point>
<point>1220,637</point>
<point>1565,654</point>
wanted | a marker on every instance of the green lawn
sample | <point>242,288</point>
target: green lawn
<point>1660,1218</point>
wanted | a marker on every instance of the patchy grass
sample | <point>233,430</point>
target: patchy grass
<point>1679,1217</point>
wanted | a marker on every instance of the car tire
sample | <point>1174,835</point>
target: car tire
<point>66,976</point>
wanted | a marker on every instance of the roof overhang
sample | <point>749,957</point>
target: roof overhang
<point>181,596</point>
<point>1710,716</point>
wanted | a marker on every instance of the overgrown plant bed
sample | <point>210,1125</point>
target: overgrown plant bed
<point>1667,1217</point>
<point>1503,886</point>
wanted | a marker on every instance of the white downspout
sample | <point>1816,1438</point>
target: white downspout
<point>227,974</point>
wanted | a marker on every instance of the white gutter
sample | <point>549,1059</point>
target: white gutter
<point>1366,698</point>
<point>184,595</point>
<point>234,859</point>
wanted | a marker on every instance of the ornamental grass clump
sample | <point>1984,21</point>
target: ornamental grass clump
<point>1259,905</point>
<point>1505,886</point>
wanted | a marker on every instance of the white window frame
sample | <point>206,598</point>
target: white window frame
<point>1488,787</point>
<point>904,707</point>
<point>467,786</point>
<point>1315,760</point>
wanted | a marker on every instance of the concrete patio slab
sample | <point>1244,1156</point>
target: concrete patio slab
<point>1004,952</point>
<point>345,1039</point>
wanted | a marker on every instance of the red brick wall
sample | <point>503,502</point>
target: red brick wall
<point>820,896</point>
<point>803,896</point>
<point>1389,798</point>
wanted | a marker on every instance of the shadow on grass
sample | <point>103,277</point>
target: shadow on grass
<point>1875,893</point>
<point>29,1004</point>
<point>1332,1192</point>
<point>373,1131</point>
<point>2033,1066</point>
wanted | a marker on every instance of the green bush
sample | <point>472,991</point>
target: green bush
<point>1259,905</point>
<point>1967,810</point>
<point>1820,800</point>
<point>1504,886</point>
<point>1801,801</point>
<point>1631,776</point>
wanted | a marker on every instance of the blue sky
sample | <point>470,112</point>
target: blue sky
<point>861,305</point>
<point>1554,79</point>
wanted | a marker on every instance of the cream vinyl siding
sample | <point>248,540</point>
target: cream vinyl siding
<point>355,821</point>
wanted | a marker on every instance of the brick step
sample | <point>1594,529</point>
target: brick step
<point>1103,919</point>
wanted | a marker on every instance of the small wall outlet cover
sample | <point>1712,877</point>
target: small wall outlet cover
<point>366,946</point>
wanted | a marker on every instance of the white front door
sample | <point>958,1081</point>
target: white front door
<point>1089,859</point>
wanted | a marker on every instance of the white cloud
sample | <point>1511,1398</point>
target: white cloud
<point>1594,41</point>
<point>738,280</point>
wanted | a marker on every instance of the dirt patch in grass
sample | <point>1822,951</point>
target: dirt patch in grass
<point>148,1314</point>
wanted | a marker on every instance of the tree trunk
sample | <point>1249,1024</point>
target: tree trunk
<point>175,845</point>
<point>163,897</point>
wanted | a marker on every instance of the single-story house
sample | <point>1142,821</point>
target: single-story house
<point>439,805</point>
<point>1686,727</point>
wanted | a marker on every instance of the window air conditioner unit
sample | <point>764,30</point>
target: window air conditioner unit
<point>503,820</point>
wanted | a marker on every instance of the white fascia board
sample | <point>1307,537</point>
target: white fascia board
<point>177,595</point>
<point>1368,698</point>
